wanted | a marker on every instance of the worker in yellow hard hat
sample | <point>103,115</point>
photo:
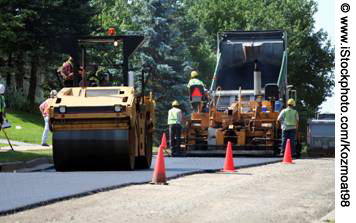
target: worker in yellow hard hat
<point>175,121</point>
<point>195,85</point>
<point>194,79</point>
<point>289,119</point>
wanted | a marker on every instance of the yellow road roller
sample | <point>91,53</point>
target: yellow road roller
<point>103,128</point>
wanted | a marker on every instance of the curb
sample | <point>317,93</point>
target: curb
<point>18,165</point>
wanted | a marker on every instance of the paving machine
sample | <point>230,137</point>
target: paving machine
<point>248,90</point>
<point>103,127</point>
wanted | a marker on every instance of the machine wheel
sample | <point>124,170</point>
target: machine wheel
<point>144,162</point>
<point>277,148</point>
<point>276,151</point>
<point>60,163</point>
<point>298,150</point>
<point>128,163</point>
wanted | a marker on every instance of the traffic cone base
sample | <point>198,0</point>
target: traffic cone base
<point>229,166</point>
<point>228,171</point>
<point>159,173</point>
<point>287,159</point>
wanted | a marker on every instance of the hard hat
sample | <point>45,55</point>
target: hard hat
<point>175,103</point>
<point>53,93</point>
<point>2,89</point>
<point>291,102</point>
<point>194,74</point>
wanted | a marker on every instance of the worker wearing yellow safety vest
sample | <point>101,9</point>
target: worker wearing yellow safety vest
<point>44,108</point>
<point>175,121</point>
<point>289,119</point>
<point>195,81</point>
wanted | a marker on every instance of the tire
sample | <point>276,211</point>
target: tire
<point>59,159</point>
<point>144,162</point>
<point>276,151</point>
<point>298,150</point>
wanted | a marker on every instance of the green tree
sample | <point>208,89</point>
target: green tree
<point>32,30</point>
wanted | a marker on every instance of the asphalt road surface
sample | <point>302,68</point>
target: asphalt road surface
<point>294,193</point>
<point>19,191</point>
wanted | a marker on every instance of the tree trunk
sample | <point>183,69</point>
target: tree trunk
<point>8,75</point>
<point>20,72</point>
<point>33,80</point>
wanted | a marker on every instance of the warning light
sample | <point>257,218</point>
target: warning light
<point>111,31</point>
<point>116,42</point>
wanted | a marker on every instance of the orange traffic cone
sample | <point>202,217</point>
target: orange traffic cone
<point>159,174</point>
<point>287,154</point>
<point>164,141</point>
<point>229,161</point>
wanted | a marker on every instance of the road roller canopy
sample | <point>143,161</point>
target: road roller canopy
<point>238,51</point>
<point>130,42</point>
<point>76,46</point>
<point>94,97</point>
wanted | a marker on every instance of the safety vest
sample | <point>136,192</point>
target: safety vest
<point>195,81</point>
<point>2,104</point>
<point>47,105</point>
<point>290,117</point>
<point>174,116</point>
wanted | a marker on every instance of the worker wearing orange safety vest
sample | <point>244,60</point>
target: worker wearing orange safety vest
<point>289,119</point>
<point>175,121</point>
<point>44,108</point>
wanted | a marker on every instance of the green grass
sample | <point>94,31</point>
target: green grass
<point>11,156</point>
<point>31,127</point>
<point>155,150</point>
<point>304,152</point>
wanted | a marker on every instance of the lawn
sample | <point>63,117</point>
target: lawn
<point>25,127</point>
<point>11,156</point>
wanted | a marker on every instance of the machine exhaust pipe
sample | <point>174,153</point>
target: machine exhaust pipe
<point>257,79</point>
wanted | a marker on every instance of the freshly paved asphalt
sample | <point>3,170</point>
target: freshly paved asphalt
<point>19,191</point>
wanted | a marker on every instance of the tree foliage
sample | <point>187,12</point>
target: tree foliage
<point>32,29</point>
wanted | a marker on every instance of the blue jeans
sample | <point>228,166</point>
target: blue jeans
<point>45,130</point>
<point>289,134</point>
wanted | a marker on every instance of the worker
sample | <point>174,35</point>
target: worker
<point>175,120</point>
<point>67,72</point>
<point>44,108</point>
<point>2,104</point>
<point>194,81</point>
<point>289,119</point>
